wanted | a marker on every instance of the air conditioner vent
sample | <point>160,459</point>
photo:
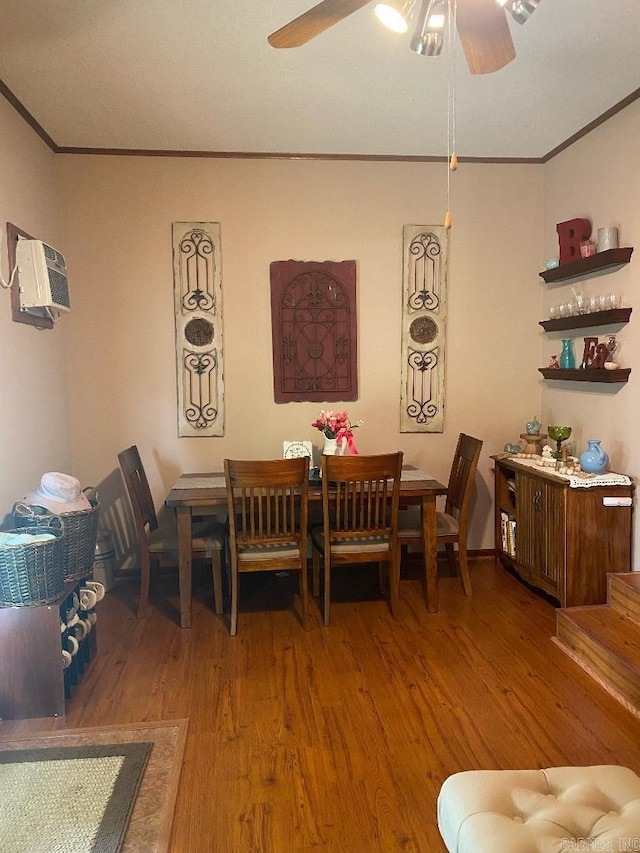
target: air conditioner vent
<point>59,287</point>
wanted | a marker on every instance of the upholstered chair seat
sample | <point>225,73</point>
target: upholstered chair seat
<point>530,811</point>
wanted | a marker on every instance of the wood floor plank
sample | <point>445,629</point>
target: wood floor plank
<point>338,739</point>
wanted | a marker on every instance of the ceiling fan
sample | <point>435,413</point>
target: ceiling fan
<point>482,26</point>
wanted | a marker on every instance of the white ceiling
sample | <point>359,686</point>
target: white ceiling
<point>199,75</point>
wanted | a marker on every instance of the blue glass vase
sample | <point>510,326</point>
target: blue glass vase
<point>567,358</point>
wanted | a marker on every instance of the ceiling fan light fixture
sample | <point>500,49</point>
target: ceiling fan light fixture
<point>429,44</point>
<point>427,40</point>
<point>395,14</point>
<point>521,10</point>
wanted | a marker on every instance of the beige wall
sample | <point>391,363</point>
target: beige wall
<point>34,422</point>
<point>117,215</point>
<point>599,178</point>
<point>112,218</point>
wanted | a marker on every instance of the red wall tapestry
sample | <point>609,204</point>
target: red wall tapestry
<point>313,322</point>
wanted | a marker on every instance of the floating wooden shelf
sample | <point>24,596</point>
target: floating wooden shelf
<point>585,266</point>
<point>582,321</point>
<point>588,375</point>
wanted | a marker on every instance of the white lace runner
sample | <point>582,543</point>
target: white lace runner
<point>581,480</point>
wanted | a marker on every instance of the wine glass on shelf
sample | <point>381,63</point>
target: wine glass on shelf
<point>559,434</point>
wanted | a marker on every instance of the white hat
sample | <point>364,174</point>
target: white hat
<point>60,493</point>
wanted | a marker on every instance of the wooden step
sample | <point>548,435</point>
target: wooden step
<point>606,644</point>
<point>623,594</point>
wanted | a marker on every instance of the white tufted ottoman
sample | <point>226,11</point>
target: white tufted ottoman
<point>541,811</point>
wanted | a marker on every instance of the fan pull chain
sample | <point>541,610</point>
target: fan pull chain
<point>452,157</point>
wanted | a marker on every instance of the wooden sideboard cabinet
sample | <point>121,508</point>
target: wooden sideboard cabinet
<point>559,539</point>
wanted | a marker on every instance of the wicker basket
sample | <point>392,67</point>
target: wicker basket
<point>80,533</point>
<point>33,573</point>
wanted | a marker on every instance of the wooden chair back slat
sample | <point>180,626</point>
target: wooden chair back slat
<point>361,493</point>
<point>266,514</point>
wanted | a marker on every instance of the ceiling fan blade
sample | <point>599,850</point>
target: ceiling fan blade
<point>313,22</point>
<point>485,35</point>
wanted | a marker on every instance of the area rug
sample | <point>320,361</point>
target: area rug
<point>98,790</point>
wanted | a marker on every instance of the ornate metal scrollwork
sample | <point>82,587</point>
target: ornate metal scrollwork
<point>198,262</point>
<point>426,252</point>
<point>313,318</point>
<point>200,409</point>
<point>315,310</point>
<point>422,367</point>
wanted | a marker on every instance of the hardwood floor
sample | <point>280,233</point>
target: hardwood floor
<point>339,738</point>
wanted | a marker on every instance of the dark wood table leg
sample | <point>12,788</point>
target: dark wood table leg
<point>430,540</point>
<point>183,519</point>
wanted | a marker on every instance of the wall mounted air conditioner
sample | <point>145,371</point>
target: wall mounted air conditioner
<point>42,277</point>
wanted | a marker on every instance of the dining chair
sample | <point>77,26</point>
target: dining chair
<point>453,522</point>
<point>160,542</point>
<point>267,501</point>
<point>360,498</point>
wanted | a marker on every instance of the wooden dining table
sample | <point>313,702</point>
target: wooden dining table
<point>192,494</point>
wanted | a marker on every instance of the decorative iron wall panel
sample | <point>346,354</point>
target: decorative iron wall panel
<point>197,287</point>
<point>424,314</point>
<point>313,322</point>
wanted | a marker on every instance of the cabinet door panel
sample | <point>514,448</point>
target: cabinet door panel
<point>528,492</point>
<point>541,532</point>
<point>553,536</point>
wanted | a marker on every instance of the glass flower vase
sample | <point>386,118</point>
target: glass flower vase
<point>567,357</point>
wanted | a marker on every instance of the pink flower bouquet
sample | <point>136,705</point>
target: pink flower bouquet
<point>337,425</point>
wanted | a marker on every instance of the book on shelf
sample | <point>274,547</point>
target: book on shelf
<point>508,533</point>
